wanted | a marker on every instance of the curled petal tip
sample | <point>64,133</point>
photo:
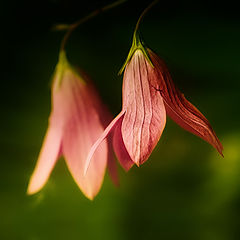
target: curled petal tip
<point>220,150</point>
<point>138,164</point>
<point>89,157</point>
<point>89,196</point>
<point>34,187</point>
<point>110,127</point>
<point>46,161</point>
<point>31,191</point>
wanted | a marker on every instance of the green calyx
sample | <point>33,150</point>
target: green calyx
<point>62,61</point>
<point>136,45</point>
<point>62,66</point>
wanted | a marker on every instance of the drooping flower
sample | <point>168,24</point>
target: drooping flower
<point>148,95</point>
<point>77,120</point>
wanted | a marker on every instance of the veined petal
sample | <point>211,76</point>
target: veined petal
<point>82,128</point>
<point>181,110</point>
<point>145,116</point>
<point>48,156</point>
<point>120,149</point>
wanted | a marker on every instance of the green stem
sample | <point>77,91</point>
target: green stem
<point>143,14</point>
<point>73,26</point>
<point>136,43</point>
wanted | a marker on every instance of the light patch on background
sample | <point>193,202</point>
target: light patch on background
<point>223,184</point>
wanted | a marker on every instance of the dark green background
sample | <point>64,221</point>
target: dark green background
<point>185,190</point>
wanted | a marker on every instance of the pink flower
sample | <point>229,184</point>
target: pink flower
<point>77,120</point>
<point>148,95</point>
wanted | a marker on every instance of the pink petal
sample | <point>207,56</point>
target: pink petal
<point>51,146</point>
<point>181,110</point>
<point>120,148</point>
<point>106,132</point>
<point>112,165</point>
<point>82,128</point>
<point>47,159</point>
<point>145,116</point>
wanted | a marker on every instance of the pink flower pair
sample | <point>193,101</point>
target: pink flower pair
<point>78,119</point>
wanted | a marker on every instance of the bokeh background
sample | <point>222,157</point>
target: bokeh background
<point>186,190</point>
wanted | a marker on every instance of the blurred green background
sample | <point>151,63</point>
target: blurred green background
<point>185,190</point>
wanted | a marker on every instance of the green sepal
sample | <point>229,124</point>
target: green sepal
<point>136,44</point>
<point>62,66</point>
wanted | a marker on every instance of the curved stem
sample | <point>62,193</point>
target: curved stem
<point>73,26</point>
<point>143,14</point>
<point>136,43</point>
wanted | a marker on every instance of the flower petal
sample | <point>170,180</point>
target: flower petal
<point>48,156</point>
<point>82,128</point>
<point>112,166</point>
<point>145,116</point>
<point>181,110</point>
<point>107,131</point>
<point>120,149</point>
<point>77,141</point>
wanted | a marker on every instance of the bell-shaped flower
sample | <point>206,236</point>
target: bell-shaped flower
<point>148,95</point>
<point>77,119</point>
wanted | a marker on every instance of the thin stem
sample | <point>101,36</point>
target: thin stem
<point>136,43</point>
<point>73,26</point>
<point>143,14</point>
